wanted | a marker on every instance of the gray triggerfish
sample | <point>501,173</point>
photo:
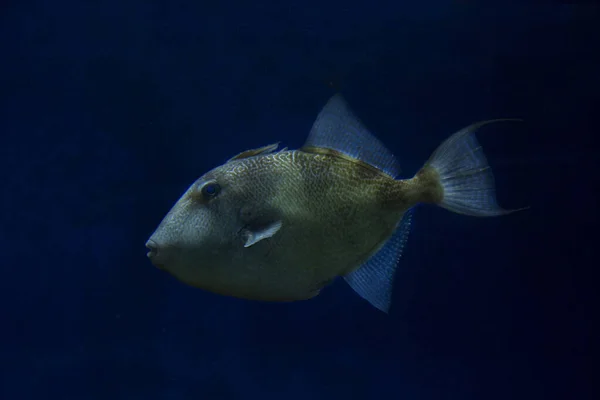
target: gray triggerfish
<point>279,225</point>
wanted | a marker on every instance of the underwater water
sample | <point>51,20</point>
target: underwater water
<point>110,110</point>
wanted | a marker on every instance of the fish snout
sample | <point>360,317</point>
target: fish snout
<point>157,254</point>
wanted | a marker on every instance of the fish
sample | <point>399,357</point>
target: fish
<point>280,225</point>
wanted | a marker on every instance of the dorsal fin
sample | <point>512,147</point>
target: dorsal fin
<point>337,128</point>
<point>254,152</point>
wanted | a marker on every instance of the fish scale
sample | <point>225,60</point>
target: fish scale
<point>279,225</point>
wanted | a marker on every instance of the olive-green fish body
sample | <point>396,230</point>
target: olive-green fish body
<point>333,216</point>
<point>280,225</point>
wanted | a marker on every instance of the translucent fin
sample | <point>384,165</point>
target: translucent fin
<point>254,236</point>
<point>374,280</point>
<point>337,128</point>
<point>465,176</point>
<point>255,152</point>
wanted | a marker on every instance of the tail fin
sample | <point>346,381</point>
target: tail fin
<point>464,179</point>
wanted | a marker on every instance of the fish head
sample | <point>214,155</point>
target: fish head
<point>201,231</point>
<point>203,239</point>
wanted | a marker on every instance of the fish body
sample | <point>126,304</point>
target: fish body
<point>280,225</point>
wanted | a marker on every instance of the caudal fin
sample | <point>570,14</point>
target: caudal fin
<point>465,182</point>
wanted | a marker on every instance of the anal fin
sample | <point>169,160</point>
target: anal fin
<point>374,280</point>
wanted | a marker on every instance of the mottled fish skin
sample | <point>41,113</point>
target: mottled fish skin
<point>279,225</point>
<point>335,213</point>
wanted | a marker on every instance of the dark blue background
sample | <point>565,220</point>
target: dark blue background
<point>109,110</point>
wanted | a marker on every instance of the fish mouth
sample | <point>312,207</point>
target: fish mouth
<point>155,254</point>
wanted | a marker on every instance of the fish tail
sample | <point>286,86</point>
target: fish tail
<point>458,178</point>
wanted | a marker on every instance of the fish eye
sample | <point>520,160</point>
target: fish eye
<point>210,189</point>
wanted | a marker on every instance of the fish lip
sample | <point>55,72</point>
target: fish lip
<point>153,247</point>
<point>153,253</point>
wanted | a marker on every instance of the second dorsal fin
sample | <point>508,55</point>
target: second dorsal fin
<point>337,128</point>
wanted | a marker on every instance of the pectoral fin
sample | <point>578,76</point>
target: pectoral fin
<point>252,236</point>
